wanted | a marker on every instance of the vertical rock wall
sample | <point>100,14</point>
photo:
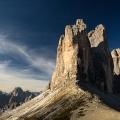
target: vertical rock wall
<point>116,60</point>
<point>83,56</point>
<point>72,55</point>
<point>102,60</point>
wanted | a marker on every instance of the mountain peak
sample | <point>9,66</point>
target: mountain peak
<point>79,22</point>
<point>75,60</point>
<point>16,91</point>
<point>100,26</point>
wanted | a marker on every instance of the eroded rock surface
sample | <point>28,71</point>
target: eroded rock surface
<point>102,60</point>
<point>83,56</point>
<point>73,56</point>
<point>116,60</point>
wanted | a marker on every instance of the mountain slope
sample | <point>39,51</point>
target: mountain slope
<point>66,104</point>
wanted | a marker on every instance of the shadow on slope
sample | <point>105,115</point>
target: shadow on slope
<point>97,81</point>
<point>108,99</point>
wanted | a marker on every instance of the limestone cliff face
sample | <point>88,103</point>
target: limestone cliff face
<point>83,56</point>
<point>72,55</point>
<point>116,60</point>
<point>102,60</point>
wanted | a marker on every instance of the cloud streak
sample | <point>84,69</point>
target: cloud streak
<point>4,64</point>
<point>25,77</point>
<point>22,52</point>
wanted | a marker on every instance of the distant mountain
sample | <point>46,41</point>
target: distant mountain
<point>15,98</point>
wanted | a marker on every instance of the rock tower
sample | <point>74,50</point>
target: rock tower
<point>83,57</point>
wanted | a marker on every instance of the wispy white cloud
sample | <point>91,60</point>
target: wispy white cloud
<point>4,64</point>
<point>8,82</point>
<point>12,76</point>
<point>22,52</point>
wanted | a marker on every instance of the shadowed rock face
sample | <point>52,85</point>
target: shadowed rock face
<point>83,56</point>
<point>102,60</point>
<point>116,60</point>
<point>73,56</point>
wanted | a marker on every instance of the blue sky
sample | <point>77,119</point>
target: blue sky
<point>30,30</point>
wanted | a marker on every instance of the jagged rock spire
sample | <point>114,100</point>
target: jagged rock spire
<point>83,56</point>
<point>98,36</point>
<point>72,55</point>
<point>116,60</point>
<point>102,63</point>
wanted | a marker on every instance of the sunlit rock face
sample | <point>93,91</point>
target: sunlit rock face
<point>102,60</point>
<point>82,57</point>
<point>116,60</point>
<point>73,55</point>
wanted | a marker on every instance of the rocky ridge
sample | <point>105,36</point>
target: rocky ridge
<point>15,98</point>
